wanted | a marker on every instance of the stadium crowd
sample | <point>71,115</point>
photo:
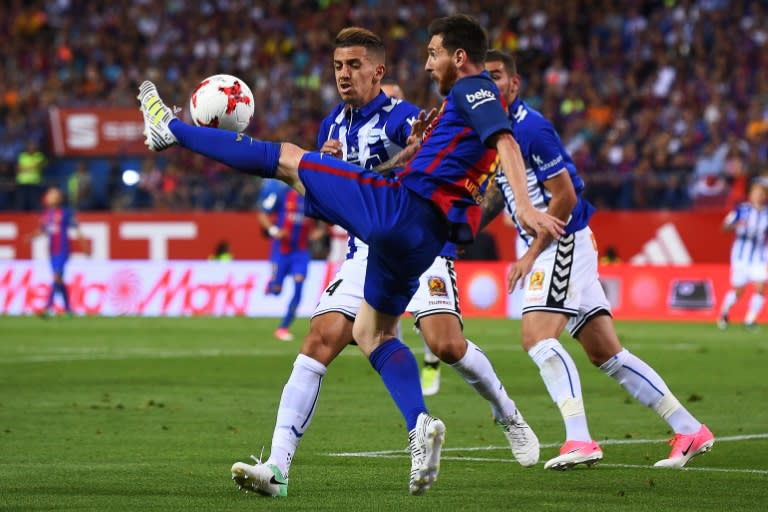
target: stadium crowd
<point>662,103</point>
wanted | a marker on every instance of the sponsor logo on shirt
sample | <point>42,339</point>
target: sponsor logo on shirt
<point>544,166</point>
<point>478,98</point>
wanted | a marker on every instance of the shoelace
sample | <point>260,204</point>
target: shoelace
<point>258,459</point>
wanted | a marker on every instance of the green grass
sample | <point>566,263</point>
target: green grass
<point>149,414</point>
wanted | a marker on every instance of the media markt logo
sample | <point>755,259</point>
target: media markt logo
<point>666,248</point>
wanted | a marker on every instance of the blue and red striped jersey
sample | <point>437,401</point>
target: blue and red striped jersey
<point>287,208</point>
<point>56,223</point>
<point>453,166</point>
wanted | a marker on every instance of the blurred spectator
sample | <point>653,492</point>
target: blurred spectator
<point>221,252</point>
<point>29,177</point>
<point>79,189</point>
<point>636,88</point>
<point>7,186</point>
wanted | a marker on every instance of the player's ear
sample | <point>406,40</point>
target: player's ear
<point>379,74</point>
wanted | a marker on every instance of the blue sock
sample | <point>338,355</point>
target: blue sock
<point>400,373</point>
<point>293,306</point>
<point>65,294</point>
<point>54,287</point>
<point>236,150</point>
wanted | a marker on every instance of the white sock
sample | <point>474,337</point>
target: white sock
<point>429,357</point>
<point>297,405</point>
<point>728,302</point>
<point>642,382</point>
<point>755,305</point>
<point>477,370</point>
<point>562,380</point>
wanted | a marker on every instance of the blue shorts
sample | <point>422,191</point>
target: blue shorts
<point>290,264</point>
<point>57,263</point>
<point>405,232</point>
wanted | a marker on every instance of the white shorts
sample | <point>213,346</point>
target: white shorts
<point>437,291</point>
<point>564,279</point>
<point>743,272</point>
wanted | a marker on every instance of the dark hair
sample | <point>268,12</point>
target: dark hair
<point>507,59</point>
<point>461,32</point>
<point>358,36</point>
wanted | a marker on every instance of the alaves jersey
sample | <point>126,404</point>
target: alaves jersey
<point>453,166</point>
<point>55,223</point>
<point>369,136</point>
<point>287,208</point>
<point>545,157</point>
<point>751,231</point>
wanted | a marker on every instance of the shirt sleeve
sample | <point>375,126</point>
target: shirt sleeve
<point>400,123</point>
<point>546,153</point>
<point>269,197</point>
<point>477,100</point>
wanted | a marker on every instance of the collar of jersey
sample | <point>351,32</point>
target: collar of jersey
<point>513,108</point>
<point>373,105</point>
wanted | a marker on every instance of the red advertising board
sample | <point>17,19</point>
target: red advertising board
<point>653,238</point>
<point>105,131</point>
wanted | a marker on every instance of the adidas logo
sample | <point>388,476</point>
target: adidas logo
<point>666,248</point>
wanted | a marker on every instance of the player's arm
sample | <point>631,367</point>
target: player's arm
<point>413,143</point>
<point>730,221</point>
<point>267,202</point>
<point>493,205</point>
<point>560,206</point>
<point>513,166</point>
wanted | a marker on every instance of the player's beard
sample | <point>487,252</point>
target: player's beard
<point>448,80</point>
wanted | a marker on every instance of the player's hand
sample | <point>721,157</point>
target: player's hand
<point>332,147</point>
<point>537,222</point>
<point>420,125</point>
<point>517,273</point>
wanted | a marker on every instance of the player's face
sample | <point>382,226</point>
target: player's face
<point>508,85</point>
<point>52,198</point>
<point>757,195</point>
<point>441,65</point>
<point>358,75</point>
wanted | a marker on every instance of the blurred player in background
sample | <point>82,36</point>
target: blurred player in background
<point>749,253</point>
<point>562,290</point>
<point>55,223</point>
<point>281,214</point>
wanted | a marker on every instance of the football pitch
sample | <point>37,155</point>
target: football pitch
<point>149,414</point>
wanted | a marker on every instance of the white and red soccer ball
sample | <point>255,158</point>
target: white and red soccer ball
<point>222,101</point>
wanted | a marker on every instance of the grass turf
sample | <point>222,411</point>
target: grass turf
<point>149,414</point>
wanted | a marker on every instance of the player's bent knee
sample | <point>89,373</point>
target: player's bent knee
<point>449,350</point>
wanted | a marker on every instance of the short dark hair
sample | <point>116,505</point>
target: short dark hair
<point>358,36</point>
<point>461,32</point>
<point>495,55</point>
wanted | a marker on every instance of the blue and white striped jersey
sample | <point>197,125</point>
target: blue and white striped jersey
<point>545,157</point>
<point>751,228</point>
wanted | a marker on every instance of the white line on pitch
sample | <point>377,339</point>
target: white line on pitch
<point>400,453</point>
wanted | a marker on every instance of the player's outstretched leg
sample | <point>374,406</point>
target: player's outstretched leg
<point>237,150</point>
<point>425,442</point>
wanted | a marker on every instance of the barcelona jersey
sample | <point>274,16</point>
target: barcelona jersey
<point>55,223</point>
<point>453,166</point>
<point>287,207</point>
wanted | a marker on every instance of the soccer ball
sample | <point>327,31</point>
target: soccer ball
<point>222,101</point>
